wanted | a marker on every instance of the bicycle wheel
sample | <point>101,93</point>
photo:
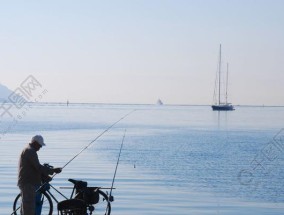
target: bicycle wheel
<point>102,207</point>
<point>46,209</point>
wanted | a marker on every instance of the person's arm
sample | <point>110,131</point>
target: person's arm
<point>33,159</point>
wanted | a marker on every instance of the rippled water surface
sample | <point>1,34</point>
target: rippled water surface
<point>175,159</point>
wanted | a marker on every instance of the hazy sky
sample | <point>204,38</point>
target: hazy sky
<point>138,51</point>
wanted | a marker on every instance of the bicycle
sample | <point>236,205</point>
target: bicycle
<point>97,201</point>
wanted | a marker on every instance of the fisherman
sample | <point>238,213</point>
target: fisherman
<point>30,173</point>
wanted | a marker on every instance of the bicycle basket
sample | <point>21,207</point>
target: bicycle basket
<point>72,207</point>
<point>90,195</point>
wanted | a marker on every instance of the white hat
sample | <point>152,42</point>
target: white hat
<point>38,139</point>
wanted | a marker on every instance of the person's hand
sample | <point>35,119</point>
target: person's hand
<point>57,170</point>
<point>46,178</point>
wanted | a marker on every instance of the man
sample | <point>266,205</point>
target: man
<point>30,173</point>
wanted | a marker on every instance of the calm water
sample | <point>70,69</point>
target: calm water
<point>175,159</point>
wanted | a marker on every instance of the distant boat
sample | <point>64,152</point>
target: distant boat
<point>220,105</point>
<point>159,102</point>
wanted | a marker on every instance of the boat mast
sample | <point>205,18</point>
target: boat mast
<point>219,76</point>
<point>227,83</point>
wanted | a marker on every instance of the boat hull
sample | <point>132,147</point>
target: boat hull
<point>223,107</point>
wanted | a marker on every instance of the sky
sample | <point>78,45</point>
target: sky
<point>130,51</point>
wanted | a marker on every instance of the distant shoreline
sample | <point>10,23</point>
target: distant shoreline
<point>140,104</point>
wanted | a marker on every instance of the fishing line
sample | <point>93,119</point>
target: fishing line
<point>110,196</point>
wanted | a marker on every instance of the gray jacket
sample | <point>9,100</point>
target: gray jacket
<point>30,170</point>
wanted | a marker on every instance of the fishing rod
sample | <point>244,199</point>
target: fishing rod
<point>94,140</point>
<point>110,196</point>
<point>87,146</point>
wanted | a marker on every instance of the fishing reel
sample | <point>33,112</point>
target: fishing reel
<point>111,198</point>
<point>45,179</point>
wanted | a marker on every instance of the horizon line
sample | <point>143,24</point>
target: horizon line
<point>110,103</point>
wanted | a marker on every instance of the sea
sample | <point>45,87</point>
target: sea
<point>175,159</point>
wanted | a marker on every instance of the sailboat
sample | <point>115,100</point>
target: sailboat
<point>220,105</point>
<point>159,102</point>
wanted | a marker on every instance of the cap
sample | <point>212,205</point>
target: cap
<point>38,139</point>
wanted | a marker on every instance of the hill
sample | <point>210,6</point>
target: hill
<point>4,92</point>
